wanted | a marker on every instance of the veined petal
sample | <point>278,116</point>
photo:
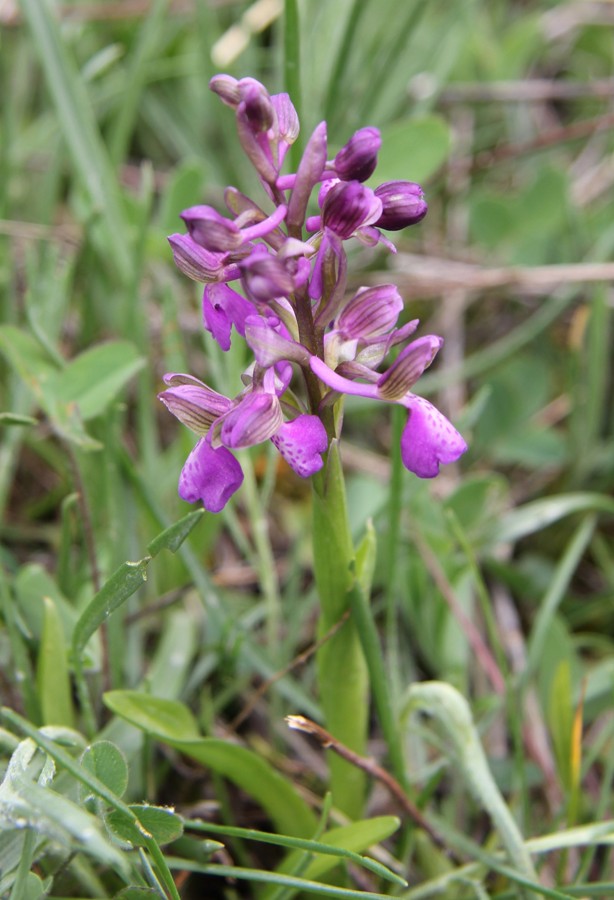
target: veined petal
<point>371,312</point>
<point>428,439</point>
<point>263,334</point>
<point>198,263</point>
<point>210,475</point>
<point>195,405</point>
<point>408,367</point>
<point>301,443</point>
<point>255,418</point>
<point>209,229</point>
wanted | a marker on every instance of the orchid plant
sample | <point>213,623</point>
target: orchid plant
<point>312,342</point>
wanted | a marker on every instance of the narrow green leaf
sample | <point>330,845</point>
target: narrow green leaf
<point>107,762</point>
<point>80,129</point>
<point>95,377</point>
<point>172,723</point>
<point>127,579</point>
<point>10,418</point>
<point>53,679</point>
<point>173,537</point>
<point>532,517</point>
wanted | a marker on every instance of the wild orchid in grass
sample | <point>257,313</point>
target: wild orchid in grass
<point>293,308</point>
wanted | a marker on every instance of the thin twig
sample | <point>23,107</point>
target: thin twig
<point>531,90</point>
<point>295,663</point>
<point>373,769</point>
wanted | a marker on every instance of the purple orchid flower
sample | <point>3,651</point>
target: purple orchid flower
<point>428,438</point>
<point>293,308</point>
<point>212,473</point>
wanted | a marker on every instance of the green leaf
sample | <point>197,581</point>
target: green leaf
<point>53,679</point>
<point>107,762</point>
<point>171,722</point>
<point>95,377</point>
<point>137,893</point>
<point>173,537</point>
<point>127,579</point>
<point>356,837</point>
<point>532,517</point>
<point>413,149</point>
<point>10,418</point>
<point>560,720</point>
<point>28,358</point>
<point>162,823</point>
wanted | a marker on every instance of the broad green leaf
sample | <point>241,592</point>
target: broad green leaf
<point>93,380</point>
<point>162,824</point>
<point>53,678</point>
<point>107,762</point>
<point>28,358</point>
<point>173,537</point>
<point>171,722</point>
<point>413,149</point>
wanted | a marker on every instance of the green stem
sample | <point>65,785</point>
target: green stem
<point>341,667</point>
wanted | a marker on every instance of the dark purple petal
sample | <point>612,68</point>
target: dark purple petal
<point>347,206</point>
<point>265,278</point>
<point>428,439</point>
<point>403,204</point>
<point>223,308</point>
<point>301,443</point>
<point>211,230</point>
<point>356,161</point>
<point>210,475</point>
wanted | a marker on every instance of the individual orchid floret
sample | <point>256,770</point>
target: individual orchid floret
<point>219,234</point>
<point>357,160</point>
<point>265,277</point>
<point>200,264</point>
<point>222,308</point>
<point>403,204</point>
<point>348,206</point>
<point>367,318</point>
<point>428,439</point>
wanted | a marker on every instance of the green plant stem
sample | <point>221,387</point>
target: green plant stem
<point>341,667</point>
<point>267,572</point>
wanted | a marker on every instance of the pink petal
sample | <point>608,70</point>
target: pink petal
<point>428,439</point>
<point>210,475</point>
<point>301,443</point>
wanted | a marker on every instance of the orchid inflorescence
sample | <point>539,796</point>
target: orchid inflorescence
<point>294,310</point>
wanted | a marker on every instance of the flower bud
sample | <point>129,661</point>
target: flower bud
<point>211,230</point>
<point>403,204</point>
<point>347,206</point>
<point>198,263</point>
<point>371,312</point>
<point>227,89</point>
<point>265,278</point>
<point>356,161</point>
